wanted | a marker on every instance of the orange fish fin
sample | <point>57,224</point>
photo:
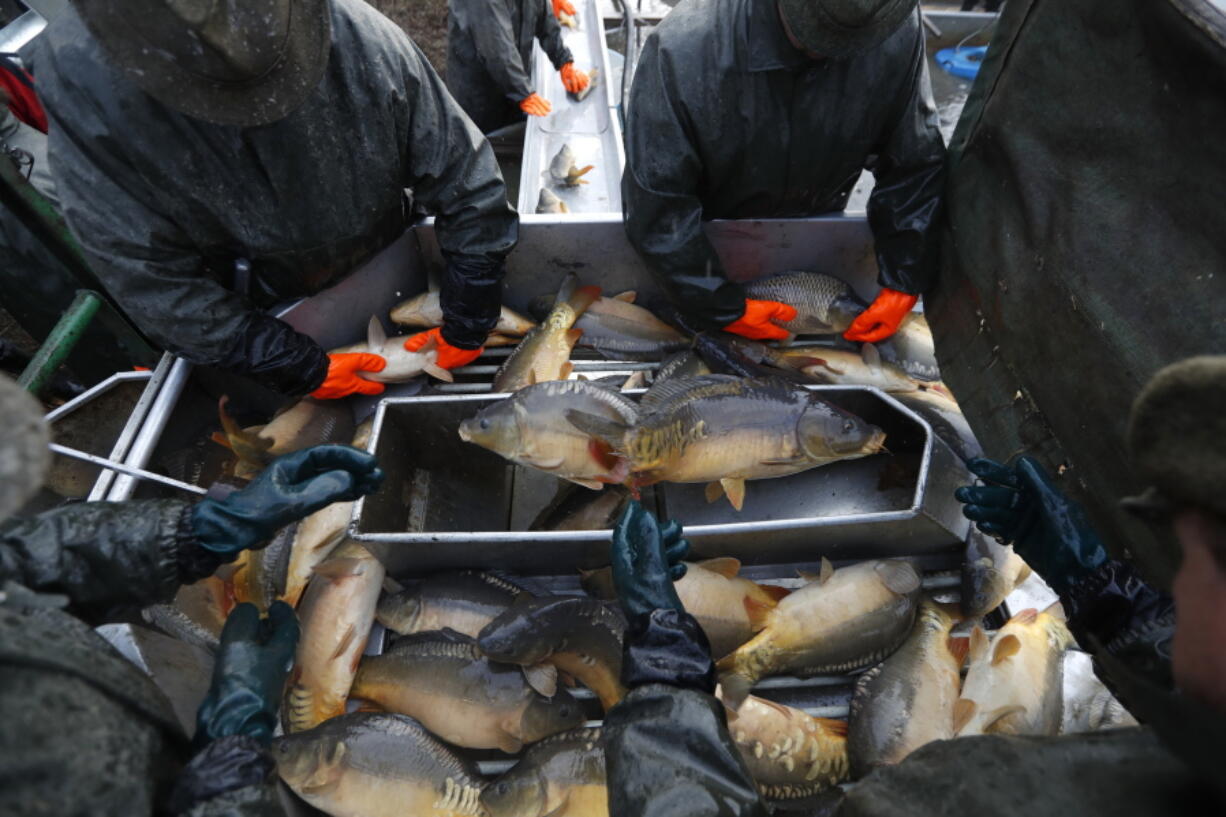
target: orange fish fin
<point>757,612</point>
<point>959,646</point>
<point>565,369</point>
<point>964,710</point>
<point>1005,648</point>
<point>602,452</point>
<point>776,592</point>
<point>725,566</point>
<point>221,439</point>
<point>1027,616</point>
<point>713,491</point>
<point>734,489</point>
<point>345,642</point>
<point>834,726</point>
<point>822,576</point>
<point>582,298</point>
<point>628,296</point>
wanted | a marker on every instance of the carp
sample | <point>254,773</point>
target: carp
<point>402,365</point>
<point>1014,685</point>
<point>730,609</point>
<point>464,601</point>
<point>373,764</point>
<point>907,700</point>
<point>840,621</point>
<point>591,82</point>
<point>426,311</point>
<point>300,425</point>
<point>824,304</point>
<point>337,610</point>
<point>912,348</point>
<point>682,364</point>
<point>789,753</point>
<point>561,776</point>
<point>581,637</point>
<point>621,330</point>
<point>544,353</point>
<point>258,576</point>
<point>841,367</point>
<point>548,202</point>
<point>990,572</point>
<point>531,428</point>
<point>574,509</point>
<point>442,679</point>
<point>565,171</point>
<point>725,430</point>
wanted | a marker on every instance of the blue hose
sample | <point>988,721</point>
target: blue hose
<point>962,62</point>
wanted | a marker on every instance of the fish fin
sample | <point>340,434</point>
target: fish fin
<point>735,683</point>
<point>734,489</point>
<point>1056,610</point>
<point>531,377</point>
<point>950,608</point>
<point>565,369</point>
<point>789,340</point>
<point>344,643</point>
<point>992,720</point>
<point>870,355</point>
<point>543,678</point>
<point>776,592</point>
<point>562,207</point>
<point>567,679</point>
<point>603,453</point>
<point>1005,648</point>
<point>713,491</point>
<point>575,176</point>
<point>725,566</point>
<point>221,439</point>
<point>783,460</point>
<point>434,370</point>
<point>977,643</point>
<point>628,296</point>
<point>899,576</point>
<point>834,726</point>
<point>758,613</point>
<point>959,646</point>
<point>573,336</point>
<point>340,568</point>
<point>822,576</point>
<point>582,298</point>
<point>964,710</point>
<point>375,336</point>
<point>611,431</point>
<point>366,705</point>
<point>567,289</point>
<point>588,483</point>
<point>1027,616</point>
<point>544,464</point>
<point>510,744</point>
<point>635,381</point>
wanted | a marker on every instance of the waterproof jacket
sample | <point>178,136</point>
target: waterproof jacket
<point>727,120</point>
<point>489,55</point>
<point>86,731</point>
<point>164,204</point>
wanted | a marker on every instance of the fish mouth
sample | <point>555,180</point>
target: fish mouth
<point>465,432</point>
<point>876,444</point>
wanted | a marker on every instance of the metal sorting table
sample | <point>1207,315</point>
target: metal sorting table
<point>590,127</point>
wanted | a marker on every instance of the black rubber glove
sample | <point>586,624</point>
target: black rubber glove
<point>1022,505</point>
<point>292,487</point>
<point>253,660</point>
<point>646,560</point>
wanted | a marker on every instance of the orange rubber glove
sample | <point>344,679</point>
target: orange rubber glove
<point>882,317</point>
<point>449,357</point>
<point>343,380</point>
<point>758,322</point>
<point>574,81</point>
<point>561,7</point>
<point>535,105</point>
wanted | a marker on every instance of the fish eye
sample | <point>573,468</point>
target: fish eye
<point>564,710</point>
<point>848,425</point>
<point>502,788</point>
<point>485,424</point>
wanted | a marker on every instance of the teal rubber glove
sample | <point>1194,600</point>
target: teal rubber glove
<point>646,559</point>
<point>1022,505</point>
<point>292,487</point>
<point>249,673</point>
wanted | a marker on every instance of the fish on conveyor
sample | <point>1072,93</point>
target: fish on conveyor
<point>581,637</point>
<point>571,21</point>
<point>531,427</point>
<point>682,364</point>
<point>302,424</point>
<point>907,700</point>
<point>548,202</point>
<point>426,311</point>
<point>564,170</point>
<point>842,620</point>
<point>574,509</point>
<point>442,679</point>
<point>402,365</point>
<point>824,304</point>
<point>337,610</point>
<point>561,776</point>
<point>587,89</point>
<point>375,764</point>
<point>990,572</point>
<point>621,330</point>
<point>843,367</point>
<point>912,348</point>
<point>1014,685</point>
<point>730,609</point>
<point>464,601</point>
<point>544,353</point>
<point>724,430</point>
<point>790,754</point>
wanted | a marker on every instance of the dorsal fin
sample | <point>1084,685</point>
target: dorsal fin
<point>871,356</point>
<point>725,566</point>
<point>675,387</point>
<point>628,296</point>
<point>375,336</point>
<point>757,612</point>
<point>1005,648</point>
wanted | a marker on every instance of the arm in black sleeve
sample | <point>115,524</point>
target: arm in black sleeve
<point>493,36</point>
<point>909,173</point>
<point>103,555</point>
<point>454,175</point>
<point>549,34</point>
<point>662,210</point>
<point>667,747</point>
<point>231,777</point>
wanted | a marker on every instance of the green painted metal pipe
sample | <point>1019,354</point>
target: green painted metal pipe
<point>67,332</point>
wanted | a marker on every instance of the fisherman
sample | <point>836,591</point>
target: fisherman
<point>214,159</point>
<point>86,731</point>
<point>489,58</point>
<point>772,108</point>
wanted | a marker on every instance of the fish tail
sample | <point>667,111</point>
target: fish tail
<point>582,298</point>
<point>735,685</point>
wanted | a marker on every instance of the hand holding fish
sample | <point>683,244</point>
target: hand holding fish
<point>449,357</point>
<point>1022,504</point>
<point>760,320</point>
<point>291,488</point>
<point>647,559</point>
<point>574,81</point>
<point>882,318</point>
<point>342,379</point>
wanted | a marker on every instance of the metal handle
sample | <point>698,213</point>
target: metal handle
<point>127,469</point>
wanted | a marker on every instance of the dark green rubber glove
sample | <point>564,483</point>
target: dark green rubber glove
<point>646,559</point>
<point>1022,505</point>
<point>253,660</point>
<point>292,487</point>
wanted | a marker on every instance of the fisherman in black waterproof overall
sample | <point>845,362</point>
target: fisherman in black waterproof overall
<point>772,108</point>
<point>185,137</point>
<point>85,731</point>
